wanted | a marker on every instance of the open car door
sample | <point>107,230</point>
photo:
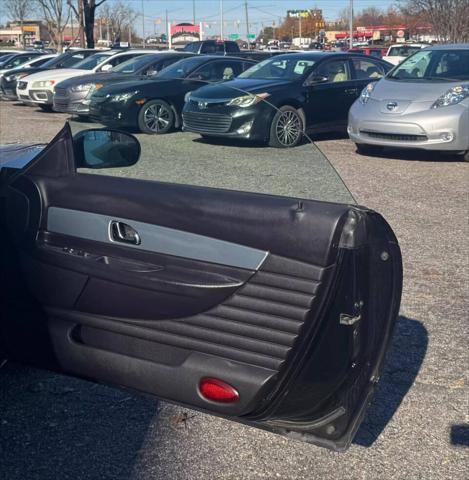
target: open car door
<point>271,311</point>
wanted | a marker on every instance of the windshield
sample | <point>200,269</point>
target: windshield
<point>182,68</point>
<point>5,59</point>
<point>434,65</point>
<point>284,68</point>
<point>402,51</point>
<point>134,64</point>
<point>92,61</point>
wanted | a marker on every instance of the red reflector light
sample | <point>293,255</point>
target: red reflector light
<point>218,391</point>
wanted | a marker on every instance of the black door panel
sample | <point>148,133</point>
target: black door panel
<point>299,331</point>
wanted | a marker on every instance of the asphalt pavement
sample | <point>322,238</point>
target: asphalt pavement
<point>56,427</point>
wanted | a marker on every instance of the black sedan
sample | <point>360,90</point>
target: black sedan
<point>73,95</point>
<point>278,99</point>
<point>65,60</point>
<point>154,106</point>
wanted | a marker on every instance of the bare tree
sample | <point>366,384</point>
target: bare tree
<point>449,18</point>
<point>56,14</point>
<point>17,11</point>
<point>118,18</point>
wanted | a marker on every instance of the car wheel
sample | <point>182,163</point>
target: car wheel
<point>465,156</point>
<point>156,117</point>
<point>364,149</point>
<point>46,108</point>
<point>286,129</point>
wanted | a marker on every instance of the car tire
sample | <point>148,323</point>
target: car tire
<point>465,156</point>
<point>286,129</point>
<point>156,117</point>
<point>365,149</point>
<point>46,108</point>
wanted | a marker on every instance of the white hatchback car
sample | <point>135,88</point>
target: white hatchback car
<point>423,103</point>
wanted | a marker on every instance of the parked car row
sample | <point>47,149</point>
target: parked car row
<point>421,103</point>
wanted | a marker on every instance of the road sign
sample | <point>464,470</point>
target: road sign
<point>252,36</point>
<point>400,33</point>
<point>233,36</point>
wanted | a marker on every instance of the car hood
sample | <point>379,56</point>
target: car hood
<point>95,78</point>
<point>56,74</point>
<point>419,91</point>
<point>132,85</point>
<point>235,88</point>
<point>17,155</point>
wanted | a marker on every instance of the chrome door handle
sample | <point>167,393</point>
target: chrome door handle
<point>121,232</point>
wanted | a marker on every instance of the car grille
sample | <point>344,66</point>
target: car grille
<point>61,92</point>
<point>22,85</point>
<point>62,106</point>
<point>24,97</point>
<point>207,122</point>
<point>399,137</point>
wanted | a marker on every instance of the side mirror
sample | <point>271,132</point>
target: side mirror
<point>315,79</point>
<point>106,68</point>
<point>105,148</point>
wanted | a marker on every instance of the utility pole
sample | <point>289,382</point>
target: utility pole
<point>351,23</point>
<point>167,28</point>
<point>299,17</point>
<point>193,12</point>
<point>130,35</point>
<point>247,21</point>
<point>143,25</point>
<point>221,20</point>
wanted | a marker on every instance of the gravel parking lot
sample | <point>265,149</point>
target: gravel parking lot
<point>417,428</point>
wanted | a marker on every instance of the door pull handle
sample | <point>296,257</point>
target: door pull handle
<point>121,232</point>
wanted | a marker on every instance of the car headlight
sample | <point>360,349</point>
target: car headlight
<point>84,87</point>
<point>121,97</point>
<point>248,100</point>
<point>44,83</point>
<point>15,76</point>
<point>452,96</point>
<point>366,93</point>
<point>187,96</point>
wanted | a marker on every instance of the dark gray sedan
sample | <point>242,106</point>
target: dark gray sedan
<point>73,95</point>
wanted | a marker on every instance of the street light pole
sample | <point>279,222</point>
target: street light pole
<point>351,23</point>
<point>247,20</point>
<point>193,12</point>
<point>221,20</point>
<point>143,25</point>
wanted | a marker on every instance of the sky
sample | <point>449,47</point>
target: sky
<point>261,12</point>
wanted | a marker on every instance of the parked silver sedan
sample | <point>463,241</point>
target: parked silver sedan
<point>422,103</point>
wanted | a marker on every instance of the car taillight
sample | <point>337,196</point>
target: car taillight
<point>218,391</point>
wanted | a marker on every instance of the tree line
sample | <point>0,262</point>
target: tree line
<point>57,15</point>
<point>448,19</point>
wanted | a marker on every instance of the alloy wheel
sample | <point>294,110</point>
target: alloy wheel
<point>288,128</point>
<point>157,117</point>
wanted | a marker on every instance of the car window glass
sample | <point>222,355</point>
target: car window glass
<point>72,60</point>
<point>39,61</point>
<point>218,70</point>
<point>403,51</point>
<point>434,65</point>
<point>182,68</point>
<point>290,68</point>
<point>453,65</point>
<point>196,157</point>
<point>208,48</point>
<point>92,61</point>
<point>334,71</point>
<point>231,47</point>
<point>367,69</point>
